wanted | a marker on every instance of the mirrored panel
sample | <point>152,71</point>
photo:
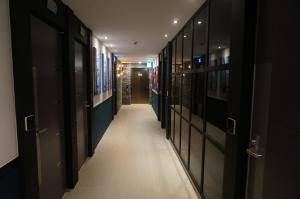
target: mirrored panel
<point>179,52</point>
<point>177,131</point>
<point>200,39</point>
<point>173,91</point>
<point>172,125</point>
<point>216,119</point>
<point>218,77</point>
<point>177,99</point>
<point>186,95</point>
<point>218,84</point>
<point>184,141</point>
<point>187,47</point>
<point>173,56</point>
<point>213,172</point>
<point>198,95</point>
<point>196,155</point>
<point>219,35</point>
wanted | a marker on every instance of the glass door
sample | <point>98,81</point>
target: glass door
<point>211,87</point>
<point>217,91</point>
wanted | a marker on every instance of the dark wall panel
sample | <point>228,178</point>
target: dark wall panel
<point>10,180</point>
<point>154,102</point>
<point>102,119</point>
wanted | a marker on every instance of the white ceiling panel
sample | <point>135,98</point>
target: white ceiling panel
<point>124,22</point>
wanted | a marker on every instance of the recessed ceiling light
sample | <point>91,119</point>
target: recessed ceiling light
<point>140,62</point>
<point>105,37</point>
<point>185,36</point>
<point>166,35</point>
<point>199,22</point>
<point>111,45</point>
<point>175,21</point>
<point>219,47</point>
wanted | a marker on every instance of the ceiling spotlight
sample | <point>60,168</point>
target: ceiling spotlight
<point>111,45</point>
<point>175,21</point>
<point>184,36</point>
<point>140,62</point>
<point>199,22</point>
<point>105,37</point>
<point>219,47</point>
<point>166,35</point>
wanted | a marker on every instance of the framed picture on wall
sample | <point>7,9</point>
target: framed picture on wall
<point>97,71</point>
<point>103,72</point>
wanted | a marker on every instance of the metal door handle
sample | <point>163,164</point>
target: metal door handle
<point>253,153</point>
<point>29,123</point>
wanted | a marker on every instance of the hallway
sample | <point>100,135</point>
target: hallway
<point>133,161</point>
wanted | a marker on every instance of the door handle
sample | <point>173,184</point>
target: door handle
<point>29,122</point>
<point>231,126</point>
<point>253,153</point>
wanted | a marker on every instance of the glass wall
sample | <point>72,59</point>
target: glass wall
<point>200,83</point>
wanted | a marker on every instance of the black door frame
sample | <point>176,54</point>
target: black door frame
<point>159,93</point>
<point>62,18</point>
<point>162,88</point>
<point>20,14</point>
<point>76,31</point>
<point>114,65</point>
<point>167,82</point>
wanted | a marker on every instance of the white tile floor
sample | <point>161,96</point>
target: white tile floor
<point>133,161</point>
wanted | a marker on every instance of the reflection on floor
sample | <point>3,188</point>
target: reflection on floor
<point>133,161</point>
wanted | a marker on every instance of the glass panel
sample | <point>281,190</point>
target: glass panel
<point>216,111</point>
<point>173,91</point>
<point>179,53</point>
<point>172,125</point>
<point>213,172</point>
<point>218,80</point>
<point>219,38</point>
<point>177,99</point>
<point>197,101</point>
<point>186,95</point>
<point>187,47</point>
<point>196,155</point>
<point>200,39</point>
<point>173,56</point>
<point>184,141</point>
<point>218,84</point>
<point>177,131</point>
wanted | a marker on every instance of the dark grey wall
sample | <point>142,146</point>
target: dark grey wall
<point>278,52</point>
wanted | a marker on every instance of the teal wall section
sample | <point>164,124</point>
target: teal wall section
<point>102,119</point>
<point>154,102</point>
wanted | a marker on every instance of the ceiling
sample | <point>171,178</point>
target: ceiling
<point>124,22</point>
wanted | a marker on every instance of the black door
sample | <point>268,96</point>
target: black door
<point>48,83</point>
<point>139,86</point>
<point>273,151</point>
<point>81,102</point>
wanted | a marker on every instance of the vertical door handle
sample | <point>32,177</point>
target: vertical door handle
<point>231,126</point>
<point>29,123</point>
